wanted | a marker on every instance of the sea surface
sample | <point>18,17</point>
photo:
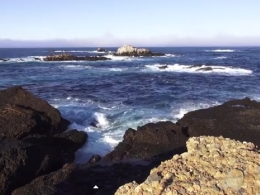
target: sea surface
<point>127,92</point>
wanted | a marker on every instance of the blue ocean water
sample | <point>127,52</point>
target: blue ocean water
<point>132,91</point>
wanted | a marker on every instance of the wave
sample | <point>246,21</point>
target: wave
<point>75,67</point>
<point>23,59</point>
<point>220,58</point>
<point>221,50</point>
<point>116,69</point>
<point>198,69</point>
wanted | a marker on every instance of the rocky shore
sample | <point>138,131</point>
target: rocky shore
<point>37,153</point>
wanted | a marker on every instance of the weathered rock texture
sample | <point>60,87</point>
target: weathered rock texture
<point>235,119</point>
<point>69,57</point>
<point>128,50</point>
<point>212,165</point>
<point>21,114</point>
<point>149,141</point>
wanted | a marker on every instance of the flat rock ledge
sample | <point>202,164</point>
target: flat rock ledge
<point>212,165</point>
<point>69,57</point>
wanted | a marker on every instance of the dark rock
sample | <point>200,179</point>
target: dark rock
<point>101,50</point>
<point>94,159</point>
<point>47,184</point>
<point>235,119</point>
<point>205,69</point>
<point>4,60</point>
<point>39,59</point>
<point>149,141</point>
<point>23,160</point>
<point>69,57</point>
<point>21,114</point>
<point>163,67</point>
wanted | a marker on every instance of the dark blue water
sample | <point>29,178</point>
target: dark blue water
<point>127,92</point>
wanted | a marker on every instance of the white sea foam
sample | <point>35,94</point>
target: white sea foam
<point>190,106</point>
<point>221,50</point>
<point>220,57</point>
<point>24,59</point>
<point>75,67</point>
<point>116,69</point>
<point>101,120</point>
<point>198,69</point>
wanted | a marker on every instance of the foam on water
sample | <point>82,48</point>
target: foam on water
<point>24,59</point>
<point>75,67</point>
<point>221,50</point>
<point>198,69</point>
<point>220,58</point>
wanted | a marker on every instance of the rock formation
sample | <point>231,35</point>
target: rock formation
<point>128,50</point>
<point>212,165</point>
<point>235,119</point>
<point>32,139</point>
<point>101,50</point>
<point>69,57</point>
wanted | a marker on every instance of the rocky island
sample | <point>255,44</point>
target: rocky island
<point>128,50</point>
<point>211,150</point>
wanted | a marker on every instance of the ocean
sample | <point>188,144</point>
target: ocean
<point>127,92</point>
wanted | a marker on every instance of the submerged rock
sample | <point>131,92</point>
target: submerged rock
<point>128,50</point>
<point>212,165</point>
<point>21,114</point>
<point>69,57</point>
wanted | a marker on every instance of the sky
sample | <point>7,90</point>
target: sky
<point>97,23</point>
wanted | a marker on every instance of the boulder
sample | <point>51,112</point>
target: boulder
<point>22,114</point>
<point>23,160</point>
<point>128,50</point>
<point>235,119</point>
<point>69,57</point>
<point>149,141</point>
<point>212,165</point>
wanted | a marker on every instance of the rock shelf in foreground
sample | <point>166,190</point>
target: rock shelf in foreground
<point>212,165</point>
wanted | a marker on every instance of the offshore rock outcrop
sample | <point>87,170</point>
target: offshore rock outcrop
<point>69,57</point>
<point>128,50</point>
<point>212,165</point>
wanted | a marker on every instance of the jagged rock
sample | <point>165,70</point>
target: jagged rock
<point>163,67</point>
<point>69,57</point>
<point>21,114</point>
<point>23,160</point>
<point>128,50</point>
<point>235,119</point>
<point>212,165</point>
<point>101,50</point>
<point>47,184</point>
<point>149,141</point>
<point>205,69</point>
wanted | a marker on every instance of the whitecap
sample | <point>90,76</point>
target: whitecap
<point>221,50</point>
<point>116,69</point>
<point>75,67</point>
<point>198,69</point>
<point>220,57</point>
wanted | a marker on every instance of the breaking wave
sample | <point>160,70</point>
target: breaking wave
<point>198,69</point>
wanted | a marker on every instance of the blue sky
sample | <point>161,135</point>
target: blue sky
<point>137,22</point>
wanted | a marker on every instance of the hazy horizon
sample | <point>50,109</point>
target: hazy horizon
<point>153,23</point>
